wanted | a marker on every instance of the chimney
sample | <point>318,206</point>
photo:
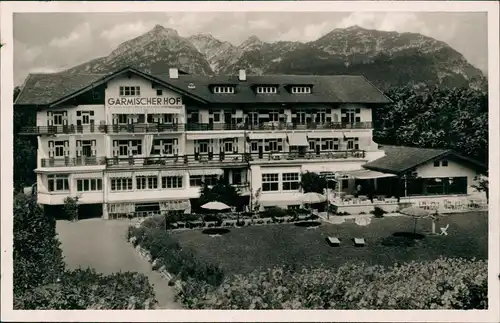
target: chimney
<point>243,75</point>
<point>173,73</point>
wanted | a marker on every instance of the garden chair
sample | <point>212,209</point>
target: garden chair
<point>333,241</point>
<point>444,231</point>
<point>359,242</point>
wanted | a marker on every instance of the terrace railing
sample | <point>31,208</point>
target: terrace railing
<point>69,129</point>
<point>146,128</point>
<point>330,154</point>
<point>69,162</point>
<point>276,126</point>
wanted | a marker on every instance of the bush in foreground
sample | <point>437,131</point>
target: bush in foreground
<point>167,253</point>
<point>440,284</point>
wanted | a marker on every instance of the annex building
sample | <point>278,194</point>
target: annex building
<point>131,142</point>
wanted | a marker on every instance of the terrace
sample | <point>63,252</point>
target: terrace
<point>70,162</point>
<point>277,126</point>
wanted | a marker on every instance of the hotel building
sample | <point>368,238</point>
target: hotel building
<point>130,142</point>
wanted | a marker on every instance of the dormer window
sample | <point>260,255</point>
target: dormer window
<point>224,89</point>
<point>301,89</point>
<point>267,89</point>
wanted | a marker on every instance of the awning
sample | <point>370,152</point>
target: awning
<point>121,175</point>
<point>211,135</point>
<point>297,139</point>
<point>173,173</point>
<point>366,174</point>
<point>87,175</point>
<point>266,135</point>
<point>147,173</point>
<point>206,171</point>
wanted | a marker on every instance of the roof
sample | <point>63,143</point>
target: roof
<point>399,159</point>
<point>45,89</point>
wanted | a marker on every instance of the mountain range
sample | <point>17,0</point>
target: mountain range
<point>385,58</point>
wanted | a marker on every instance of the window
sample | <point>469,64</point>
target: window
<point>159,92</point>
<point>203,146</point>
<point>436,163</point>
<point>237,178</point>
<point>58,183</point>
<point>84,117</point>
<point>146,182</point>
<point>216,117</point>
<point>444,163</point>
<point>164,146</point>
<point>350,115</point>
<point>224,89</point>
<point>121,184</point>
<point>274,116</point>
<point>254,146</point>
<point>267,89</point>
<point>122,119</point>
<point>210,180</point>
<point>90,184</point>
<point>335,143</point>
<point>195,180</point>
<point>270,182</point>
<point>301,89</point>
<point>228,146</point>
<point>446,185</point>
<point>326,144</point>
<point>58,118</point>
<point>130,91</point>
<point>273,145</point>
<point>353,143</point>
<point>171,181</point>
<point>59,148</point>
<point>128,147</point>
<point>291,181</point>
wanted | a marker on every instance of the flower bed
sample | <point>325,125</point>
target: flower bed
<point>440,284</point>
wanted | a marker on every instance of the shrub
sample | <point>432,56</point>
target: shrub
<point>378,212</point>
<point>273,212</point>
<point>439,284</point>
<point>211,217</point>
<point>71,208</point>
<point>167,252</point>
<point>86,289</point>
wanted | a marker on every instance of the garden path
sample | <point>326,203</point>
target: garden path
<point>102,245</point>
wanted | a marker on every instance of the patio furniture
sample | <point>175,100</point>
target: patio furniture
<point>363,197</point>
<point>444,231</point>
<point>333,241</point>
<point>359,242</point>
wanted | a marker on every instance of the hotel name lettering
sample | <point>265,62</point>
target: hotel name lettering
<point>145,101</point>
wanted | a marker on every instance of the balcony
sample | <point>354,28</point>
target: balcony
<point>69,129</point>
<point>276,126</point>
<point>146,128</point>
<point>322,155</point>
<point>71,162</point>
<point>209,159</point>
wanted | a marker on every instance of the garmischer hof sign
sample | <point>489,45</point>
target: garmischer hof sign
<point>145,101</point>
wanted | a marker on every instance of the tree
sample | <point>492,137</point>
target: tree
<point>71,208</point>
<point>222,191</point>
<point>481,185</point>
<point>37,257</point>
<point>312,182</point>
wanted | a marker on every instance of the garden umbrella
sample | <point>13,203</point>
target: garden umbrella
<point>416,213</point>
<point>215,205</point>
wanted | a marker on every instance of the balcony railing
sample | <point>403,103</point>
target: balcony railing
<point>276,126</point>
<point>146,128</point>
<point>69,162</point>
<point>69,129</point>
<point>229,159</point>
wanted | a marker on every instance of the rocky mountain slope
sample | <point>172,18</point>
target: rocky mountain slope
<point>385,58</point>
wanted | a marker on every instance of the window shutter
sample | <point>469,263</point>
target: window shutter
<point>94,148</point>
<point>235,147</point>
<point>130,119</point>
<point>50,120</point>
<point>65,118</point>
<point>115,148</point>
<point>51,149</point>
<point>211,146</point>
<point>136,118</point>
<point>115,119</point>
<point>66,148</point>
<point>78,148</point>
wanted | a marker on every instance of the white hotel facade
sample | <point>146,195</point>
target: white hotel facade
<point>130,142</point>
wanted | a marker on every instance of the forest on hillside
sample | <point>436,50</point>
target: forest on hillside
<point>426,117</point>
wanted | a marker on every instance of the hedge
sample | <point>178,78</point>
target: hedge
<point>166,252</point>
<point>440,284</point>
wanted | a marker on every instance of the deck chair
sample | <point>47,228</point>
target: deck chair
<point>333,241</point>
<point>359,242</point>
<point>444,231</point>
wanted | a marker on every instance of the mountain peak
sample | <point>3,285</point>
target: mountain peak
<point>253,42</point>
<point>161,31</point>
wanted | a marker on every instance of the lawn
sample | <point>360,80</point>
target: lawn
<point>248,248</point>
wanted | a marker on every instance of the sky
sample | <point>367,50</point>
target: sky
<point>50,42</point>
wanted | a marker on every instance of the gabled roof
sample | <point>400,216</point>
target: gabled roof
<point>52,89</point>
<point>399,159</point>
<point>49,89</point>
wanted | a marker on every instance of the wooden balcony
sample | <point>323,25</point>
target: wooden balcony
<point>71,162</point>
<point>276,126</point>
<point>308,155</point>
<point>69,129</point>
<point>146,128</point>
